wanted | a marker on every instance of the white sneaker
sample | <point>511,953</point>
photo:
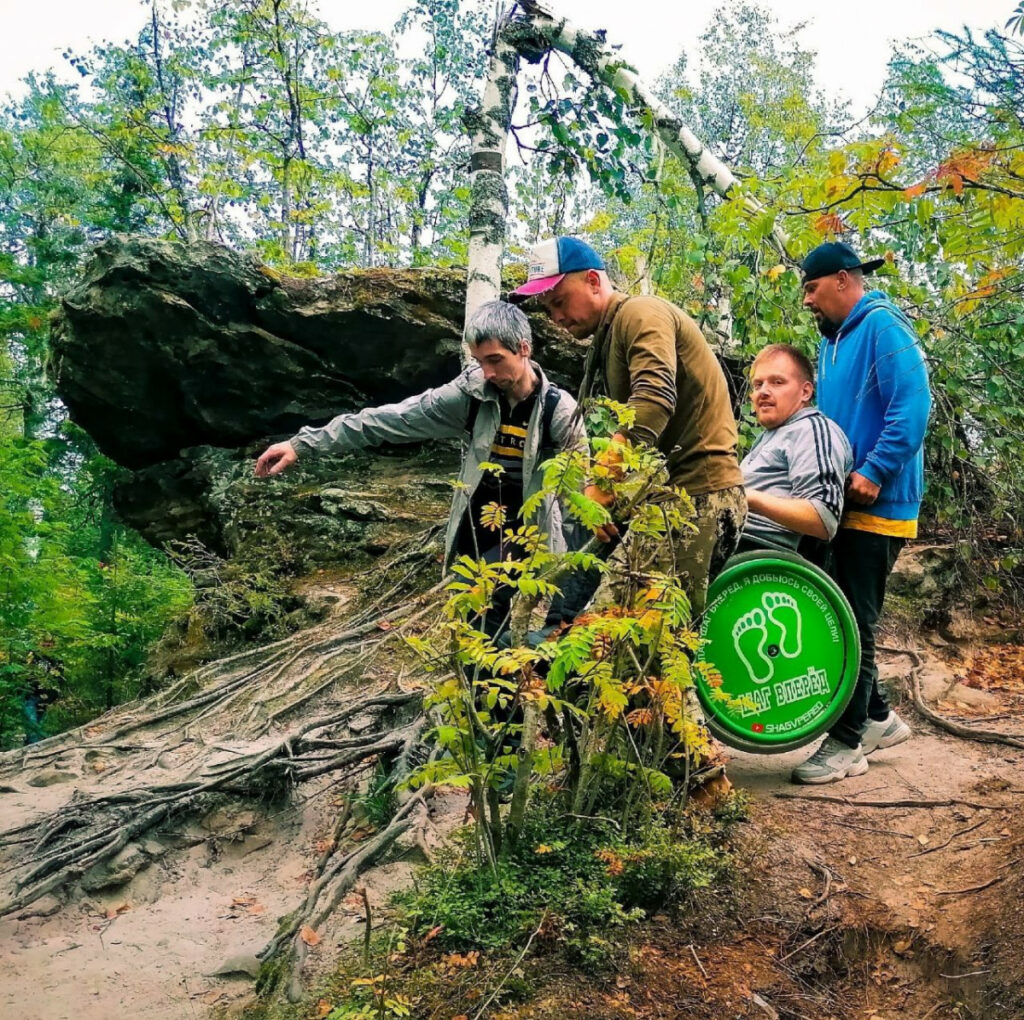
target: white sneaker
<point>885,732</point>
<point>830,763</point>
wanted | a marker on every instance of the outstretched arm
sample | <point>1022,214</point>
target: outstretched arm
<point>439,413</point>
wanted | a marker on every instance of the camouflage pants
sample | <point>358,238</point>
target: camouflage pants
<point>696,558</point>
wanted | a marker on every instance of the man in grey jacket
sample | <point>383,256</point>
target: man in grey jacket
<point>503,405</point>
<point>796,471</point>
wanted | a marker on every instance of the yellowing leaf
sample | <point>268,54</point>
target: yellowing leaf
<point>309,936</point>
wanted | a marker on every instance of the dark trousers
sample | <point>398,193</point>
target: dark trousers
<point>861,563</point>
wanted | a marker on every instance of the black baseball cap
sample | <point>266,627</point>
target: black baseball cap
<point>832,256</point>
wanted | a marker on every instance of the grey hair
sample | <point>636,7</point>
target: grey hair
<point>498,320</point>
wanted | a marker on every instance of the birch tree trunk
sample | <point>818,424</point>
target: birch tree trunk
<point>592,54</point>
<point>489,126</point>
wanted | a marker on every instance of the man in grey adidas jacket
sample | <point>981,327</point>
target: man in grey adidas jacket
<point>504,399</point>
<point>796,471</point>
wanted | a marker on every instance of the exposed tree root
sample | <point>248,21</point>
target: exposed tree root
<point>327,702</point>
<point>958,729</point>
<point>338,873</point>
<point>90,832</point>
<point>906,803</point>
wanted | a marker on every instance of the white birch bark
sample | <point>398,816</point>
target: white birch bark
<point>593,55</point>
<point>489,129</point>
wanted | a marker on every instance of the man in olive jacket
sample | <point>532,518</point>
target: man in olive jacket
<point>650,355</point>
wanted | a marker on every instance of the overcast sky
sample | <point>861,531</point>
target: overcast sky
<point>852,39</point>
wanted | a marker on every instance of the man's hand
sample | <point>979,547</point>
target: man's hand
<point>607,531</point>
<point>275,459</point>
<point>861,490</point>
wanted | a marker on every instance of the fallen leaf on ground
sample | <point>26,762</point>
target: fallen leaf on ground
<point>243,901</point>
<point>212,996</point>
<point>309,936</point>
<point>457,961</point>
<point>115,911</point>
<point>323,1007</point>
<point>807,894</point>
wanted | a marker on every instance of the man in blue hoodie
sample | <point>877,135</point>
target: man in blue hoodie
<point>872,382</point>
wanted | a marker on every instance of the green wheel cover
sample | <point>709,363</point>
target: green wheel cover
<point>784,643</point>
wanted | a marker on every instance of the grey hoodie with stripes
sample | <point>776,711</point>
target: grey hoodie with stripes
<point>806,457</point>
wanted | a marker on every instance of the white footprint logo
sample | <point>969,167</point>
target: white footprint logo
<point>751,633</point>
<point>782,611</point>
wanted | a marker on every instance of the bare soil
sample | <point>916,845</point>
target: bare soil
<point>850,910</point>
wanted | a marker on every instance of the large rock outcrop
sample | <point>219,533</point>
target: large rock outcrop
<point>183,361</point>
<point>164,346</point>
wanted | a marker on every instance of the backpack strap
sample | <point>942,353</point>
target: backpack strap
<point>551,399</point>
<point>474,410</point>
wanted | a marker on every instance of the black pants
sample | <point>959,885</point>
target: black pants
<point>861,563</point>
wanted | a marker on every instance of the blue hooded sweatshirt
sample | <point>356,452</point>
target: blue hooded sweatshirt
<point>872,382</point>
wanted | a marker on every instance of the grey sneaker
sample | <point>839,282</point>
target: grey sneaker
<point>830,763</point>
<point>885,732</point>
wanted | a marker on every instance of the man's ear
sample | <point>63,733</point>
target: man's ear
<point>525,348</point>
<point>594,280</point>
<point>808,392</point>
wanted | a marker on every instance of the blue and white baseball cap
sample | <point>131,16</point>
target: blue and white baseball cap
<point>552,259</point>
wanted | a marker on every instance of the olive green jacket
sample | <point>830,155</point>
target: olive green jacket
<point>658,363</point>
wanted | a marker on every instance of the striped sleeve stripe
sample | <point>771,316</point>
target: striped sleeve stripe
<point>831,493</point>
<point>835,483</point>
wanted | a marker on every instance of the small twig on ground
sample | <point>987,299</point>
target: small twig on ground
<point>696,960</point>
<point>369,926</point>
<point>511,970</point>
<point>595,818</point>
<point>942,846</point>
<point>820,869</point>
<point>804,945</point>
<point>767,1007</point>
<point>969,889</point>
<point>971,973</point>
